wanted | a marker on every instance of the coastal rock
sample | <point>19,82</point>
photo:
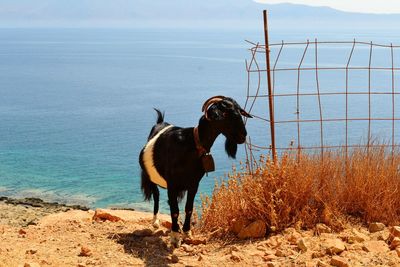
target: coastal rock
<point>101,216</point>
<point>376,227</point>
<point>302,244</point>
<point>394,231</point>
<point>256,229</point>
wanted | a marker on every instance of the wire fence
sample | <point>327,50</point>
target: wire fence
<point>322,95</point>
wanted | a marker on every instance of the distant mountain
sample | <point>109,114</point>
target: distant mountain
<point>178,13</point>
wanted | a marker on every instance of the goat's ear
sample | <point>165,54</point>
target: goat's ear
<point>230,148</point>
<point>245,114</point>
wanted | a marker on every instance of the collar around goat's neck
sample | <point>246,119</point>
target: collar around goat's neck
<point>201,151</point>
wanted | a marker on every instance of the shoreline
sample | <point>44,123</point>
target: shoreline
<point>28,211</point>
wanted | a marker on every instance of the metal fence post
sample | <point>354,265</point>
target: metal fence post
<point>270,92</point>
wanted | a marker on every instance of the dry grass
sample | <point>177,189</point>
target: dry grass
<point>303,191</point>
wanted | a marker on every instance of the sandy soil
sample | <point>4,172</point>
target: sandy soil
<point>73,238</point>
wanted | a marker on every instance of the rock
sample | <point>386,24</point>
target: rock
<point>31,264</point>
<point>31,251</point>
<point>200,258</point>
<point>143,232</point>
<point>166,224</point>
<point>398,251</point>
<point>269,257</point>
<point>174,259</point>
<point>235,256</point>
<point>356,236</point>
<point>339,262</point>
<point>85,252</point>
<point>322,264</point>
<point>322,228</point>
<point>160,232</point>
<point>22,232</point>
<point>375,246</point>
<point>239,224</point>
<point>394,232</point>
<point>334,246</point>
<point>256,229</point>
<point>187,248</point>
<point>302,244</point>
<point>318,254</point>
<point>101,216</point>
<point>195,241</point>
<point>376,227</point>
<point>395,243</point>
<point>272,264</point>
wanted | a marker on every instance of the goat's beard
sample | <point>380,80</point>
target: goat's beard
<point>230,148</point>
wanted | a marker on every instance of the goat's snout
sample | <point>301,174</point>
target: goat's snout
<point>242,138</point>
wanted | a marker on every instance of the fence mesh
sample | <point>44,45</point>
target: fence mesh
<point>323,95</point>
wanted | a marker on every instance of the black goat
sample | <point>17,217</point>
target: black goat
<point>177,158</point>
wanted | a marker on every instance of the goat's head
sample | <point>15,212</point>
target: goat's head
<point>226,115</point>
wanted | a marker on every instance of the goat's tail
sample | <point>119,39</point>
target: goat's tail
<point>147,184</point>
<point>160,116</point>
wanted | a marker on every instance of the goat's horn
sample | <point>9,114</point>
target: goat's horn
<point>211,101</point>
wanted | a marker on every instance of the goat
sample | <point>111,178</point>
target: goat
<point>177,158</point>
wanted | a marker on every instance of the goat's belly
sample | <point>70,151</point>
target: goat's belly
<point>148,160</point>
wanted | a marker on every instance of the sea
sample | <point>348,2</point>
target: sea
<point>76,105</point>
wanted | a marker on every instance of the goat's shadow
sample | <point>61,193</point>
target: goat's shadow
<point>151,249</point>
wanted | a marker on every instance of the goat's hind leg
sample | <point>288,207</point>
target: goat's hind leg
<point>174,208</point>
<point>156,198</point>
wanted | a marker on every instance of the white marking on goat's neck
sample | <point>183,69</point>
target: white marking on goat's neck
<point>148,159</point>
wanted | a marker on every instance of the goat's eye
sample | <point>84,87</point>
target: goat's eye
<point>225,114</point>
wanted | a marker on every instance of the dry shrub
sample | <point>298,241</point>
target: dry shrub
<point>304,190</point>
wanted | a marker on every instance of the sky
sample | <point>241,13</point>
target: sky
<point>363,6</point>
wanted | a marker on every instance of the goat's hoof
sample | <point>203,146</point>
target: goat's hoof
<point>156,224</point>
<point>176,239</point>
<point>188,235</point>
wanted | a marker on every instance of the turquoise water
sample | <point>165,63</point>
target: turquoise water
<point>76,105</point>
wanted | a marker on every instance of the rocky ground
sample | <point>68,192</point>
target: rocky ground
<point>40,236</point>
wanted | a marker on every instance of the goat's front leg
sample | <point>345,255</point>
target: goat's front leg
<point>174,209</point>
<point>189,210</point>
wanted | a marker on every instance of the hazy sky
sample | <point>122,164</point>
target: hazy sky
<point>365,6</point>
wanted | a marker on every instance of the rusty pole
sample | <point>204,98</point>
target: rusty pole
<point>270,96</point>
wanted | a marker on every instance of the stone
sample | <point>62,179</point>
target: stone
<point>375,246</point>
<point>166,224</point>
<point>322,264</point>
<point>187,248</point>
<point>339,262</point>
<point>85,252</point>
<point>322,228</point>
<point>318,254</point>
<point>356,236</point>
<point>398,251</point>
<point>394,231</point>
<point>143,232</point>
<point>302,244</point>
<point>376,227</point>
<point>101,216</point>
<point>256,229</point>
<point>31,251</point>
<point>235,256</point>
<point>31,264</point>
<point>239,224</point>
<point>174,259</point>
<point>269,257</point>
<point>395,243</point>
<point>272,264</point>
<point>334,246</point>
<point>22,232</point>
<point>160,232</point>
